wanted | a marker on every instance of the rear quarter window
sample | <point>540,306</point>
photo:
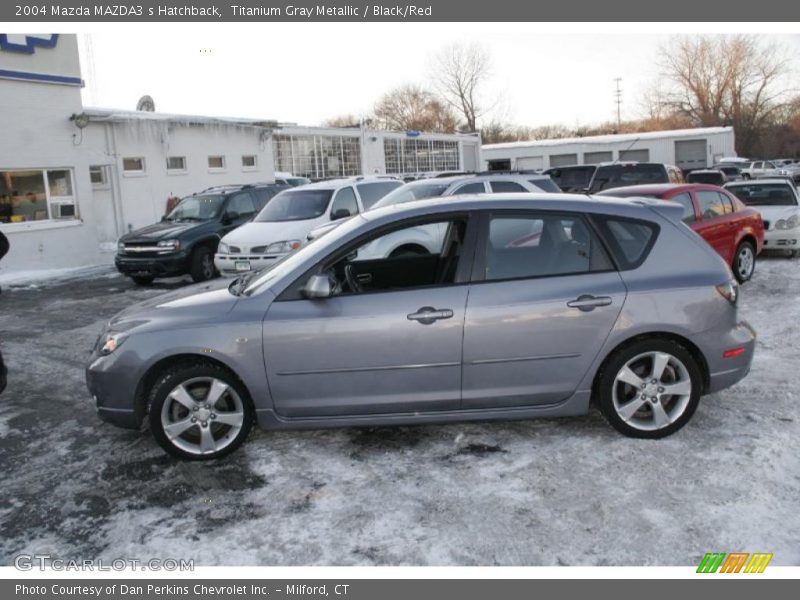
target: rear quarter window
<point>629,240</point>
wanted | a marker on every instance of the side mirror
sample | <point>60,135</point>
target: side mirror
<point>318,286</point>
<point>229,217</point>
<point>341,213</point>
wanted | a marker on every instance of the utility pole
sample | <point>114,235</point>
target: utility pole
<point>618,101</point>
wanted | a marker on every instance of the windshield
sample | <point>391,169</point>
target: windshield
<point>295,205</point>
<point>612,176</point>
<point>409,193</point>
<point>260,279</point>
<point>570,177</point>
<point>197,208</point>
<point>764,194</point>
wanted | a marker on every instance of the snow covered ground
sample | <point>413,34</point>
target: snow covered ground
<point>547,492</point>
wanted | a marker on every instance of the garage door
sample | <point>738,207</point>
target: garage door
<point>635,155</point>
<point>594,158</point>
<point>690,154</point>
<point>530,162</point>
<point>563,160</point>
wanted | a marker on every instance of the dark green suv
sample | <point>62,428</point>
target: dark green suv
<point>184,241</point>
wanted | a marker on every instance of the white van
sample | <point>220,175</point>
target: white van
<point>283,224</point>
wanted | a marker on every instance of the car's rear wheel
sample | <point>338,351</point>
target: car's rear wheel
<point>650,389</point>
<point>744,263</point>
<point>199,412</point>
<point>202,265</point>
<point>142,280</point>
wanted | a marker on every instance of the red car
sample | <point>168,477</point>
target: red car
<point>734,230</point>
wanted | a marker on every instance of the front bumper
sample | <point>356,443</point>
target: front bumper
<point>233,265</point>
<point>113,390</point>
<point>782,239</point>
<point>153,266</point>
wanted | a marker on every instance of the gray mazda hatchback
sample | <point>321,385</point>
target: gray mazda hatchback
<point>521,306</point>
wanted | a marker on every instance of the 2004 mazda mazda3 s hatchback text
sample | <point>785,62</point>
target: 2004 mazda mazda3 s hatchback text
<point>531,305</point>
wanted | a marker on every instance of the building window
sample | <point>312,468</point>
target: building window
<point>411,155</point>
<point>98,176</point>
<point>216,163</point>
<point>176,164</point>
<point>36,195</point>
<point>317,156</point>
<point>133,165</point>
<point>249,162</point>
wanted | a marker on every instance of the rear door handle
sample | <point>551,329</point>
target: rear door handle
<point>428,314</point>
<point>587,302</point>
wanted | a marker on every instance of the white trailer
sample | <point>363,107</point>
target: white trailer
<point>688,149</point>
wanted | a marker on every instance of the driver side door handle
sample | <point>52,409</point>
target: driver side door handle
<point>428,314</point>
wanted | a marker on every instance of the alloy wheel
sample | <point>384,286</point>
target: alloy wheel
<point>202,415</point>
<point>651,391</point>
<point>745,262</point>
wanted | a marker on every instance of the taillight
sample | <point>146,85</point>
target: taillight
<point>729,291</point>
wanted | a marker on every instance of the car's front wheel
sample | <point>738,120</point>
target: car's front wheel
<point>202,267</point>
<point>199,411</point>
<point>650,389</point>
<point>744,263</point>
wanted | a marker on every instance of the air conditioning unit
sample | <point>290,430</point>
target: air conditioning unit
<point>62,210</point>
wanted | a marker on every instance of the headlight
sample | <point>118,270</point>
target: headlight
<point>283,247</point>
<point>109,342</point>
<point>170,245</point>
<point>223,248</point>
<point>729,291</point>
<point>790,223</point>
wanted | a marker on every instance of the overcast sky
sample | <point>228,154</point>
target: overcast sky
<point>307,72</point>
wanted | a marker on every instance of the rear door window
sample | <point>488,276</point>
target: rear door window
<point>711,205</point>
<point>539,245</point>
<point>471,188</point>
<point>372,192</point>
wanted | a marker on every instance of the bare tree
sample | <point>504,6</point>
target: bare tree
<point>459,72</point>
<point>725,80</point>
<point>348,120</point>
<point>411,107</point>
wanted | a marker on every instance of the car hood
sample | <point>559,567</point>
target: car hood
<point>193,303</point>
<point>260,234</point>
<point>162,230</point>
<point>773,213</point>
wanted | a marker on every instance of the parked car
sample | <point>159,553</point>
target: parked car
<point>733,173</point>
<point>612,303</point>
<point>709,176</point>
<point>184,241</point>
<point>282,178</point>
<point>759,169</point>
<point>453,186</point>
<point>573,178</point>
<point>734,230</point>
<point>622,174</point>
<point>778,202</point>
<point>284,223</point>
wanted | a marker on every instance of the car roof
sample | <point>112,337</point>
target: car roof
<point>333,184</point>
<point>526,201</point>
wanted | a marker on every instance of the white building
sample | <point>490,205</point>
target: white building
<point>684,148</point>
<point>73,179</point>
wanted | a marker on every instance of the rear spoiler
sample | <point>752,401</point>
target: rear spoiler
<point>670,210</point>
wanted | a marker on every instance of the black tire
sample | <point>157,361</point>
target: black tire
<point>229,438</point>
<point>740,262</point>
<point>608,381</point>
<point>745,176</point>
<point>201,267</point>
<point>141,280</point>
<point>794,253</point>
